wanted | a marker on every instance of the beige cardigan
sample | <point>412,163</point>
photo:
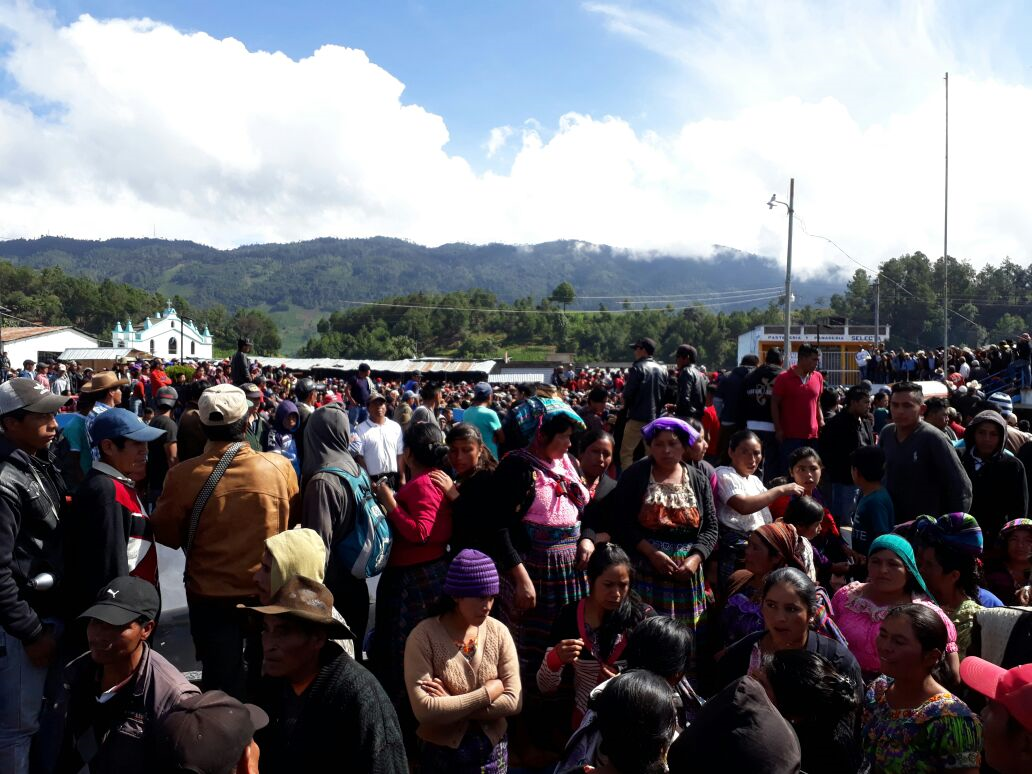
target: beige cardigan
<point>430,653</point>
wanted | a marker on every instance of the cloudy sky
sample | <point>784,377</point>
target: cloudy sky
<point>660,125</point>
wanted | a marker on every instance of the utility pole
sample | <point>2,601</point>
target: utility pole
<point>788,276</point>
<point>877,311</point>
<point>945,251</point>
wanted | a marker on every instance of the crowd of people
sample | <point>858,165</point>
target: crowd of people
<point>627,570</point>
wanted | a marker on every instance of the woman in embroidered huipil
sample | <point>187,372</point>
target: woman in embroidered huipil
<point>662,511</point>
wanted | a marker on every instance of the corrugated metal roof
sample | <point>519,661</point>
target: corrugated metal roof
<point>512,376</point>
<point>99,353</point>
<point>395,366</point>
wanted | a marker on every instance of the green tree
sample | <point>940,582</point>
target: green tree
<point>563,294</point>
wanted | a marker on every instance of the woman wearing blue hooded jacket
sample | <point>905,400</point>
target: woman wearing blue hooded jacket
<point>281,438</point>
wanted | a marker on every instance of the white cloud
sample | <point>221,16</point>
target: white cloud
<point>138,125</point>
<point>497,139</point>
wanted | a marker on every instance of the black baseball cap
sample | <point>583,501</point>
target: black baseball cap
<point>206,733</point>
<point>645,343</point>
<point>124,600</point>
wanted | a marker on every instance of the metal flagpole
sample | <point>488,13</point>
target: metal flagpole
<point>945,251</point>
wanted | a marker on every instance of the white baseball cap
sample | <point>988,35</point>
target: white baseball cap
<point>222,404</point>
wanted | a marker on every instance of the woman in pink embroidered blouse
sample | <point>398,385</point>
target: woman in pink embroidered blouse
<point>893,579</point>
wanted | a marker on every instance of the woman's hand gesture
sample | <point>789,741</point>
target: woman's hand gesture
<point>569,650</point>
<point>434,687</point>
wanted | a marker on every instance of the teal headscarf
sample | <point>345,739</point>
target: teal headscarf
<point>901,548</point>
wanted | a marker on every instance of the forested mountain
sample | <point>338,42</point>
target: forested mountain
<point>309,290</point>
<point>52,297</point>
<point>322,273</point>
<point>300,282</point>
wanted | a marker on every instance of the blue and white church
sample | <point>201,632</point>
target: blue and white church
<point>164,335</point>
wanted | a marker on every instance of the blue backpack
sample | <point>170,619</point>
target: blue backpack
<point>364,550</point>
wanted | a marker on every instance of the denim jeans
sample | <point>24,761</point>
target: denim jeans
<point>21,703</point>
<point>357,415</point>
<point>843,503</point>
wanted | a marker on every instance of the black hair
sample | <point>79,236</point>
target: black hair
<point>803,453</point>
<point>911,387</point>
<point>636,718</point>
<point>829,399</point>
<point>750,360</point>
<point>464,431</point>
<point>231,432</point>
<point>929,629</point>
<point>18,415</point>
<point>118,442</point>
<point>597,395</point>
<point>804,512</point>
<point>934,404</point>
<point>445,603</point>
<point>869,462</point>
<point>800,583</point>
<point>740,436</point>
<point>425,440</point>
<point>585,439</point>
<point>631,611</point>
<point>808,350</point>
<point>661,645</point>
<point>773,356</point>
<point>555,424</point>
<point>428,391</point>
<point>857,393</point>
<point>951,559</point>
<point>808,689</point>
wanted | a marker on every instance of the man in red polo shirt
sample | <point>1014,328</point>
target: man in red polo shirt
<point>795,404</point>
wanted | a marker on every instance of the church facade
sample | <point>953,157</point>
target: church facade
<point>165,335</point>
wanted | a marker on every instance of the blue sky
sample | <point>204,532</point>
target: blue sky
<point>650,125</point>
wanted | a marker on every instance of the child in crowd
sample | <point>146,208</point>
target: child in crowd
<point>874,513</point>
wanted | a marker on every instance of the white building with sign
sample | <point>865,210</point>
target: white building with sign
<point>164,335</point>
<point>838,344</point>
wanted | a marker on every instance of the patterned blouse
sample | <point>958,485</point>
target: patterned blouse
<point>940,734</point>
<point>860,619</point>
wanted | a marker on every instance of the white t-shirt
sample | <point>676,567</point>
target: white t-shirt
<point>379,445</point>
<point>730,484</point>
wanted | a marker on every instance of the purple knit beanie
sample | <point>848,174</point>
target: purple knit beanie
<point>471,574</point>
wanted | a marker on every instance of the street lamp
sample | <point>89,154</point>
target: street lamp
<point>788,266</point>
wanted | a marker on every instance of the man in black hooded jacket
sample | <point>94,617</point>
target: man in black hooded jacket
<point>999,489</point>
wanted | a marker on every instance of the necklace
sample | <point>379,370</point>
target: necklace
<point>468,648</point>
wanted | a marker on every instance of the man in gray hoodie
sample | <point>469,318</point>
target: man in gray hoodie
<point>999,488</point>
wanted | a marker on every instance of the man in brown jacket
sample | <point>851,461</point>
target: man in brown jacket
<point>257,497</point>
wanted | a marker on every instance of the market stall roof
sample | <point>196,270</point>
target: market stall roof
<point>427,365</point>
<point>521,376</point>
<point>102,353</point>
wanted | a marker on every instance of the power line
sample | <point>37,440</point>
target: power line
<point>878,272</point>
<point>685,295</point>
<point>763,297</point>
